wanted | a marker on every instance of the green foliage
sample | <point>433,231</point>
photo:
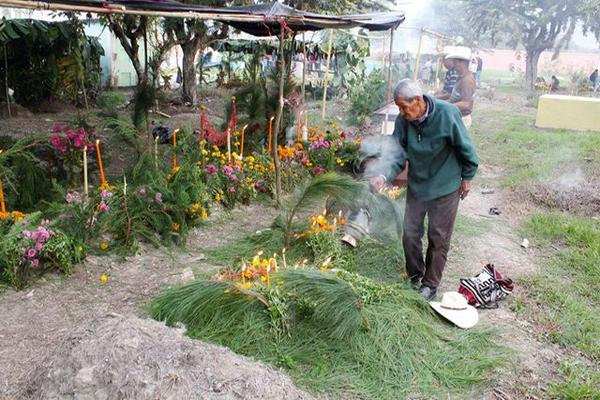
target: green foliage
<point>327,245</point>
<point>24,174</point>
<point>58,252</point>
<point>143,100</point>
<point>49,59</point>
<point>367,94</point>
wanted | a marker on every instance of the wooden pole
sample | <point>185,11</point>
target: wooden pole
<point>389,75</point>
<point>278,118</point>
<point>416,72</point>
<point>326,77</point>
<point>304,64</point>
<point>6,82</point>
<point>304,71</point>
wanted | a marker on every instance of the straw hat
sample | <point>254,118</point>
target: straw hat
<point>460,53</point>
<point>448,50</point>
<point>454,308</point>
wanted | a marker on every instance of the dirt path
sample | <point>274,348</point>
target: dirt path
<point>38,320</point>
<point>532,364</point>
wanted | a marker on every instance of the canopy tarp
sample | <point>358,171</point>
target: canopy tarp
<point>257,20</point>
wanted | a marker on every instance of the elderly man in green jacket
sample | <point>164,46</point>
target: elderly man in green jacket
<point>443,161</point>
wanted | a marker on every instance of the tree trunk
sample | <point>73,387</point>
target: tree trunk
<point>531,67</point>
<point>189,73</point>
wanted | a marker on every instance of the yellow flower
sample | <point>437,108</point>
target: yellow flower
<point>263,278</point>
<point>175,170</point>
<point>203,213</point>
<point>279,282</point>
<point>204,152</point>
<point>104,246</point>
<point>80,249</point>
<point>104,278</point>
<point>175,227</point>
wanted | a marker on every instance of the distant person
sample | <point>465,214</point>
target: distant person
<point>449,80</point>
<point>594,80</point>
<point>426,71</point>
<point>479,69</point>
<point>555,84</point>
<point>462,94</point>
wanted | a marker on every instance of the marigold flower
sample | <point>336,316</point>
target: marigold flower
<point>104,246</point>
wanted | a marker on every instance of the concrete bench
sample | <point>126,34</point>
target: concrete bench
<point>568,112</point>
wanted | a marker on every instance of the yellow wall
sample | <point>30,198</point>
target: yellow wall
<point>568,112</point>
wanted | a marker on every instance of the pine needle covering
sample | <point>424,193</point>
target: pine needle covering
<point>336,307</point>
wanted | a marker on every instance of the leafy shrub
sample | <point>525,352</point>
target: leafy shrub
<point>30,247</point>
<point>367,93</point>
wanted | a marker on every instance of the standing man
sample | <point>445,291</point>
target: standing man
<point>462,94</point>
<point>443,162</point>
<point>449,80</point>
<point>479,69</point>
<point>594,79</point>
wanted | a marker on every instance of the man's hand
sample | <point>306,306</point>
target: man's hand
<point>377,183</point>
<point>465,188</point>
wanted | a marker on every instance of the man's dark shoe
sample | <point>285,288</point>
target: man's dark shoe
<point>415,283</point>
<point>427,292</point>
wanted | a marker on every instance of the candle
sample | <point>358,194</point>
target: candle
<point>2,204</point>
<point>85,172</point>
<point>228,145</point>
<point>99,155</point>
<point>242,145</point>
<point>271,134</point>
<point>283,256</point>
<point>244,274</point>
<point>124,186</point>
<point>269,275</point>
<point>175,148</point>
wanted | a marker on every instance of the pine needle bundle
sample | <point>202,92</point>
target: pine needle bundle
<point>336,307</point>
<point>215,309</point>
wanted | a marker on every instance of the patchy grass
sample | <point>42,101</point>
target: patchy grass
<point>566,295</point>
<point>527,154</point>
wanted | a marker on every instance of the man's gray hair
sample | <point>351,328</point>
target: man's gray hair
<point>407,89</point>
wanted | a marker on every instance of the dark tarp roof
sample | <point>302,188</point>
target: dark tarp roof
<point>257,20</point>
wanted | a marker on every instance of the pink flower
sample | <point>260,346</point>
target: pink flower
<point>38,246</point>
<point>232,177</point>
<point>319,170</point>
<point>104,207</point>
<point>59,143</point>
<point>211,169</point>
<point>72,197</point>
<point>232,190</point>
<point>42,234</point>
<point>158,197</point>
<point>78,142</point>
<point>71,134</point>
<point>27,234</point>
<point>35,263</point>
<point>142,191</point>
<point>106,194</point>
<point>31,253</point>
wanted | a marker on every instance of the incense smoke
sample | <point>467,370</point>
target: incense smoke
<point>383,153</point>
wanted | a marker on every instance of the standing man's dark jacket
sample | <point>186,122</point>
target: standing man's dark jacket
<point>439,150</point>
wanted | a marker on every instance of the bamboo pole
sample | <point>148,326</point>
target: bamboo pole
<point>304,68</point>
<point>120,9</point>
<point>416,72</point>
<point>389,75</point>
<point>278,118</point>
<point>437,70</point>
<point>326,77</point>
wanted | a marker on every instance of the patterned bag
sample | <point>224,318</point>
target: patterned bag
<point>486,288</point>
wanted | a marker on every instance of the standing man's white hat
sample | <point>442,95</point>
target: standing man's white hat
<point>460,53</point>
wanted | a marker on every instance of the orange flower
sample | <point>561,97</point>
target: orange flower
<point>175,227</point>
<point>103,246</point>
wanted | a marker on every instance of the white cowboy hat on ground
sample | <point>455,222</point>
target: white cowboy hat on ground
<point>460,53</point>
<point>454,308</point>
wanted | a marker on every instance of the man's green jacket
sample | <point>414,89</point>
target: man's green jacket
<point>439,150</point>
